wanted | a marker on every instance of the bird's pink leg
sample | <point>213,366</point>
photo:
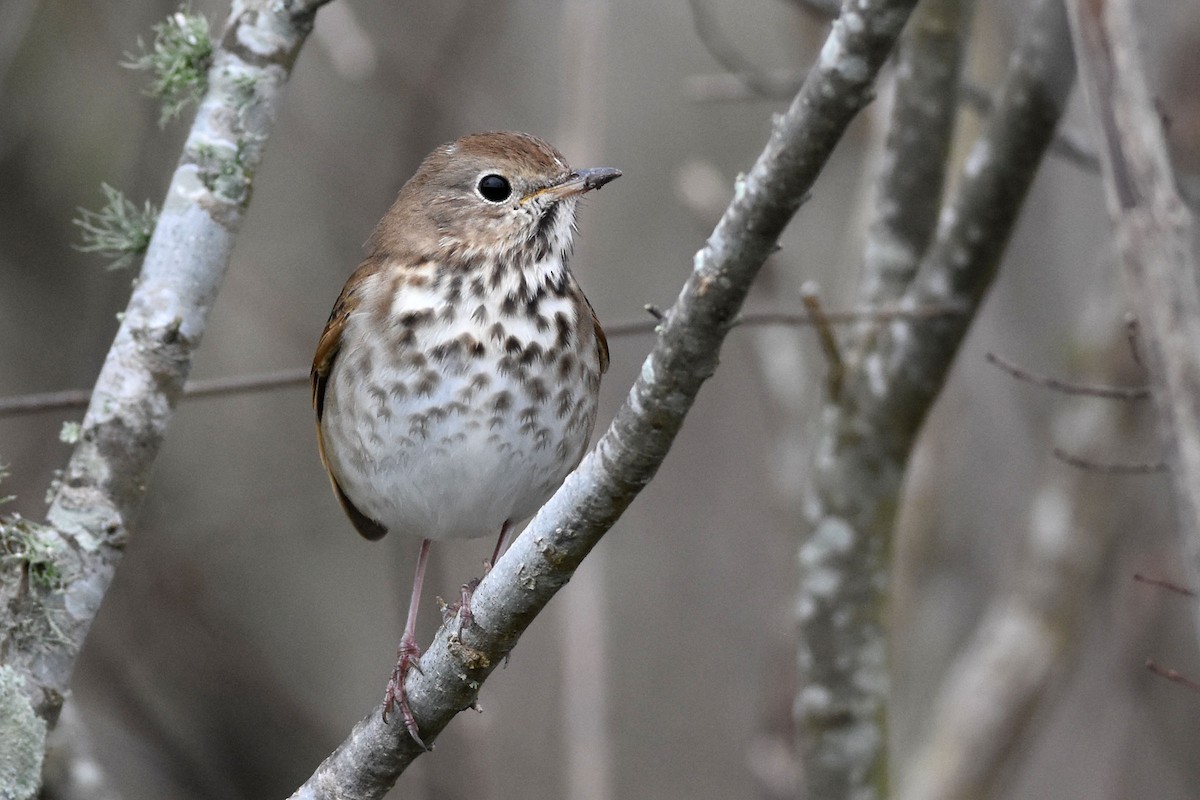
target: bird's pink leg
<point>463,607</point>
<point>408,653</point>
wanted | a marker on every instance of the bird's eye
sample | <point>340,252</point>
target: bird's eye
<point>495,188</point>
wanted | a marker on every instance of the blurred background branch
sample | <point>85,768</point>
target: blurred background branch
<point>867,433</point>
<point>1155,233</point>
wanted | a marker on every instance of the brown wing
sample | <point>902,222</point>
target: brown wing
<point>327,351</point>
<point>601,339</point>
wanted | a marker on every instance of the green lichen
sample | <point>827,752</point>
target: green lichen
<point>24,545</point>
<point>178,59</point>
<point>119,231</point>
<point>223,171</point>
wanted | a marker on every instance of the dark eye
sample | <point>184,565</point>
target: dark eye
<point>494,188</point>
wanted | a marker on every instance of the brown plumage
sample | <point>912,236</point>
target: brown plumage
<point>455,383</point>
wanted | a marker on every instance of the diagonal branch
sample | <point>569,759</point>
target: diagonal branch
<point>866,437</point>
<point>630,452</point>
<point>96,503</point>
<point>1155,233</point>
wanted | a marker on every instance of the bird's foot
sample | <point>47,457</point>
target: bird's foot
<point>462,607</point>
<point>408,656</point>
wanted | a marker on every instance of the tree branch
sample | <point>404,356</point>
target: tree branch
<point>916,154</point>
<point>543,558</point>
<point>1155,233</point>
<point>866,437</point>
<point>95,505</point>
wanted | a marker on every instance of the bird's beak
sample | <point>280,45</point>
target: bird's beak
<point>578,182</point>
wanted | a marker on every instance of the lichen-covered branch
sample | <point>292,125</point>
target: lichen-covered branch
<point>867,434</point>
<point>1155,233</point>
<point>625,459</point>
<point>96,503</point>
<point>916,154</point>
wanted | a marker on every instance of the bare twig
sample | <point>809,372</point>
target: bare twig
<point>626,457</point>
<point>1109,467</point>
<point>757,82</point>
<point>1170,586</point>
<point>1131,336</point>
<point>1067,387</point>
<point>835,367</point>
<point>1174,676</point>
<point>1155,233</point>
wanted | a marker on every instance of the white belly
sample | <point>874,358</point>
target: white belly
<point>445,446</point>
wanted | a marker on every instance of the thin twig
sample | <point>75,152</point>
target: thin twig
<point>1109,467</point>
<point>1132,335</point>
<point>1173,675</point>
<point>1067,387</point>
<point>19,405</point>
<point>1170,586</point>
<point>835,366</point>
<point>757,82</point>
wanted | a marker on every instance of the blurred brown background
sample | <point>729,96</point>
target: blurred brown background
<point>249,627</point>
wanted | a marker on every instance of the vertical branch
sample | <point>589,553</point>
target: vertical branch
<point>94,508</point>
<point>916,154</point>
<point>866,436</point>
<point>1155,233</point>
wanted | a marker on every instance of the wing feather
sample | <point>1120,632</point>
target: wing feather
<point>327,351</point>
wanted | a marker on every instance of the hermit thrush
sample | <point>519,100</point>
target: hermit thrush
<point>455,383</point>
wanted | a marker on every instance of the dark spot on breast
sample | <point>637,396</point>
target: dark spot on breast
<point>472,346</point>
<point>536,389</point>
<point>565,402</point>
<point>502,402</point>
<point>411,319</point>
<point>531,354</point>
<point>479,315</point>
<point>445,350</point>
<point>512,345</point>
<point>497,332</point>
<point>428,383</point>
<point>454,290</point>
<point>535,300</point>
<point>566,366</point>
<point>509,306</point>
<point>477,287</point>
<point>563,327</point>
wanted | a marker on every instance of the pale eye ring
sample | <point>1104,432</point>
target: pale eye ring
<point>494,188</point>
